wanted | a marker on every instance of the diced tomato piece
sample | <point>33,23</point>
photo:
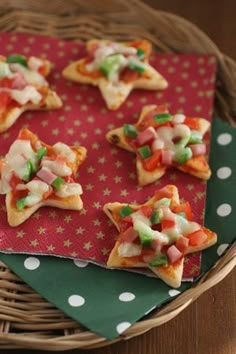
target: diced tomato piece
<point>6,82</point>
<point>129,235</point>
<point>151,162</point>
<point>124,225</point>
<point>146,210</point>
<point>167,224</point>
<point>14,181</point>
<point>81,67</point>
<point>156,227</point>
<point>192,123</point>
<point>43,70</point>
<point>198,149</point>
<point>173,254</point>
<point>166,157</point>
<point>69,179</point>
<point>185,208</point>
<point>197,238</point>
<point>145,136</point>
<point>156,245</point>
<point>182,244</point>
<point>128,219</point>
<point>128,75</point>
<point>5,99</point>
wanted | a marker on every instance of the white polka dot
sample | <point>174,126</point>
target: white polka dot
<point>121,327</point>
<point>126,297</point>
<point>80,264</point>
<point>222,248</point>
<point>173,292</point>
<point>224,172</point>
<point>76,300</point>
<point>224,139</point>
<point>31,263</point>
<point>224,209</point>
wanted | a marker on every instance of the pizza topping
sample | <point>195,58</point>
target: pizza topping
<point>4,70</point>
<point>112,58</point>
<point>130,130</point>
<point>27,94</point>
<point>15,58</point>
<point>162,118</point>
<point>128,249</point>
<point>32,77</point>
<point>125,211</point>
<point>41,152</point>
<point>68,189</point>
<point>36,190</point>
<point>198,149</point>
<point>173,254</point>
<point>58,166</point>
<point>65,151</point>
<point>159,261</point>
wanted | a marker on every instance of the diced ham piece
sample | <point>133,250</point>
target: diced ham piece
<point>19,81</point>
<point>46,175</point>
<point>182,244</point>
<point>166,157</point>
<point>128,235</point>
<point>156,245</point>
<point>146,136</point>
<point>173,254</point>
<point>198,149</point>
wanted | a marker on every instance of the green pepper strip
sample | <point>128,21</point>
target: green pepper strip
<point>20,203</point>
<point>57,182</point>
<point>145,151</point>
<point>125,211</point>
<point>162,118</point>
<point>19,59</point>
<point>159,261</point>
<point>130,130</point>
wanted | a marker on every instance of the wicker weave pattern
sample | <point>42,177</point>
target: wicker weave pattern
<point>26,320</point>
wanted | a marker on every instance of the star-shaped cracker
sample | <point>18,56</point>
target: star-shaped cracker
<point>34,174</point>
<point>157,235</point>
<point>23,87</point>
<point>161,140</point>
<point>117,69</point>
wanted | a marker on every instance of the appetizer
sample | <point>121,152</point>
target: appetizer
<point>117,69</point>
<point>161,140</point>
<point>34,174</point>
<point>157,235</point>
<point>23,87</point>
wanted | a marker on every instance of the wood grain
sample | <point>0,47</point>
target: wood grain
<point>208,326</point>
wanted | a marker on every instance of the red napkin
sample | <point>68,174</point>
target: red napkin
<point>108,174</point>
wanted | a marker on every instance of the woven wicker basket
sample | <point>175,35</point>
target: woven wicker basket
<point>27,320</point>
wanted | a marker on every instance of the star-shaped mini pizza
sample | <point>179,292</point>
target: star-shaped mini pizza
<point>23,87</point>
<point>117,69</point>
<point>34,174</point>
<point>161,140</point>
<point>157,235</point>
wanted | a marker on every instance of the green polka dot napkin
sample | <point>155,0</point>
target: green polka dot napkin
<point>108,301</point>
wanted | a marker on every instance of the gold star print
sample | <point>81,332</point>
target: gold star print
<point>36,215</point>
<point>80,231</point>
<point>152,127</point>
<point>34,243</point>
<point>55,131</point>
<point>20,234</point>
<point>97,131</point>
<point>70,131</point>
<point>87,245</point>
<point>114,151</point>
<point>100,235</point>
<point>50,248</point>
<point>89,187</point>
<point>124,193</point>
<point>62,118</point>
<point>102,178</point>
<point>90,119</point>
<point>83,211</point>
<point>84,135</point>
<point>95,146</point>
<point>190,187</point>
<point>67,218</point>
<point>59,230</point>
<point>102,160</point>
<point>74,254</point>
<point>96,222</point>
<point>106,192</point>
<point>6,135</point>
<point>3,208</point>
<point>67,243</point>
<point>41,230</point>
<point>117,179</point>
<point>90,169</point>
<point>44,123</point>
<point>53,214</point>
<point>105,251</point>
<point>77,122</point>
<point>97,205</point>
<point>116,95</point>
<point>173,177</point>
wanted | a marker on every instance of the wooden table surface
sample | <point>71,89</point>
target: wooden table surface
<point>208,326</point>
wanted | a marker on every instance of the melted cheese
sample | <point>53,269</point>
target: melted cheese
<point>68,190</point>
<point>65,151</point>
<point>128,249</point>
<point>60,168</point>
<point>36,190</point>
<point>27,94</point>
<point>31,77</point>
<point>35,63</point>
<point>4,70</point>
